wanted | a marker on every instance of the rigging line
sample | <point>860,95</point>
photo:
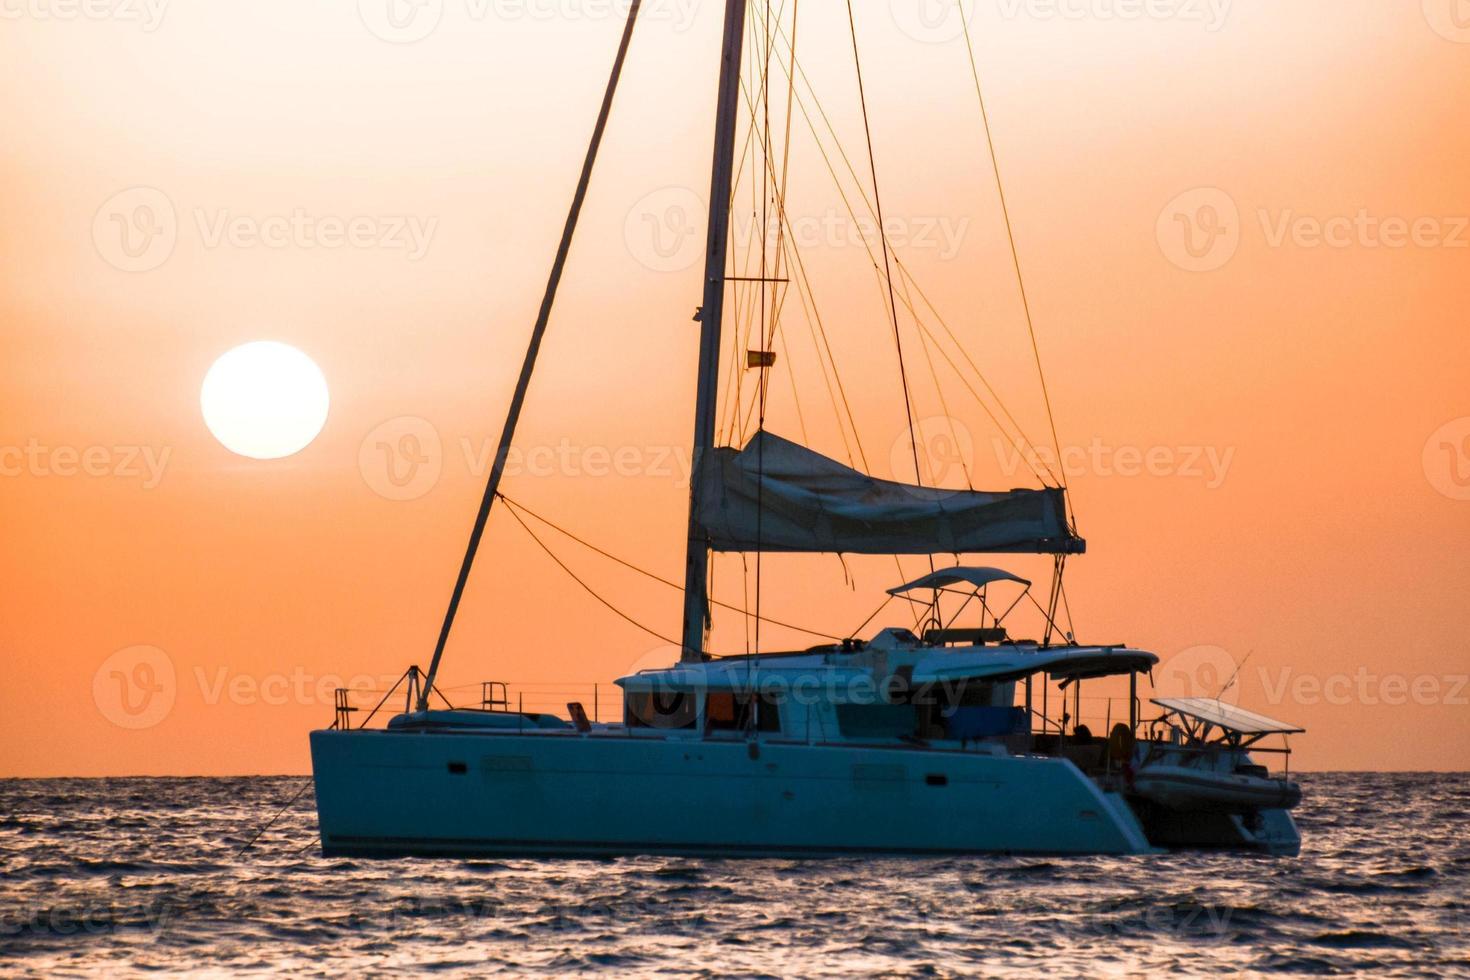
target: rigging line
<point>763,378</point>
<point>1025,440</point>
<point>730,403</point>
<point>1067,608</point>
<point>590,591</point>
<point>851,212</point>
<point>1015,252</point>
<point>871,616</point>
<point>310,781</point>
<point>517,505</point>
<point>814,320</point>
<point>795,395</point>
<point>903,269</point>
<point>523,381</point>
<point>785,172</point>
<point>883,237</point>
<point>812,316</point>
<point>939,390</point>
<point>778,306</point>
<point>778,303</point>
<point>1024,456</point>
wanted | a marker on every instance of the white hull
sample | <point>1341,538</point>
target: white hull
<point>469,794</point>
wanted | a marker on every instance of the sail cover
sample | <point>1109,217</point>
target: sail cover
<point>775,495</point>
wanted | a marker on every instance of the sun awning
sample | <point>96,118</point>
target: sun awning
<point>978,577</point>
<point>1215,712</point>
<point>1011,663</point>
<point>777,496</point>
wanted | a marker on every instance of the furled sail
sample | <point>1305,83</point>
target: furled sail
<point>775,495</point>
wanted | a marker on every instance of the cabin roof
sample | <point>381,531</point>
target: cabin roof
<point>884,657</point>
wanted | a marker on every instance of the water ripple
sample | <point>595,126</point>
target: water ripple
<point>113,875</point>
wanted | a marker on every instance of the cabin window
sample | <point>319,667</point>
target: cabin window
<point>721,714</point>
<point>730,712</point>
<point>768,713</point>
<point>659,709</point>
<point>877,720</point>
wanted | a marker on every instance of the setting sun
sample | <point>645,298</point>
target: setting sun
<point>264,400</point>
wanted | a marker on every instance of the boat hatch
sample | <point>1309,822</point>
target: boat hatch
<point>1212,711</point>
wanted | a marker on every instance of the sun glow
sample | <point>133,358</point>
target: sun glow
<point>264,400</point>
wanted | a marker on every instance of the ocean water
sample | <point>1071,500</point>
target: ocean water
<point>126,875</point>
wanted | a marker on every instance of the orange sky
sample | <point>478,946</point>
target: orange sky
<point>1298,383</point>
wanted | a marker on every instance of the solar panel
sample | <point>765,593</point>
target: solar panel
<point>1216,712</point>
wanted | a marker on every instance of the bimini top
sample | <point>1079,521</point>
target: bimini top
<point>1213,711</point>
<point>978,577</point>
<point>1012,662</point>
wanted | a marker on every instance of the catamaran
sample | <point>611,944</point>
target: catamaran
<point>947,732</point>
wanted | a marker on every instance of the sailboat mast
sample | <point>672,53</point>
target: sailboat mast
<point>696,561</point>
